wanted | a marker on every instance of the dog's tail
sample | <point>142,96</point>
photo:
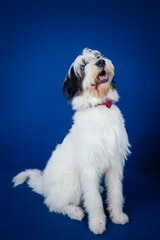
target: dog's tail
<point>33,178</point>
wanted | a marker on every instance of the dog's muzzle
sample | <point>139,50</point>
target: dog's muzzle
<point>101,78</point>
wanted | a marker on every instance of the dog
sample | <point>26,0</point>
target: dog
<point>97,145</point>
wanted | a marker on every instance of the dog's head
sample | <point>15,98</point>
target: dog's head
<point>90,73</point>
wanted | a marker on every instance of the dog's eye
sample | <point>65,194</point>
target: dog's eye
<point>98,56</point>
<point>82,66</point>
<point>84,63</point>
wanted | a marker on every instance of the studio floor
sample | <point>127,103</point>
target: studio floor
<point>24,216</point>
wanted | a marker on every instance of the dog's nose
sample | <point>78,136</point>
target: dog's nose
<point>100,63</point>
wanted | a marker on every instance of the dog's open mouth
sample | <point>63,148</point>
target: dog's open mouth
<point>101,78</point>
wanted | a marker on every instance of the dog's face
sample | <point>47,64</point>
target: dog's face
<point>90,73</point>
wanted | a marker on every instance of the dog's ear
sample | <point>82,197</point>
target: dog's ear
<point>72,85</point>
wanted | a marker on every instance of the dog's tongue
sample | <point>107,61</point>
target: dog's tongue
<point>102,77</point>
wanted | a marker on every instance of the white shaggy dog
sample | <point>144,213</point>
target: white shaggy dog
<point>96,145</point>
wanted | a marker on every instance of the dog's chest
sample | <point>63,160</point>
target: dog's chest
<point>101,132</point>
<point>104,125</point>
<point>108,134</point>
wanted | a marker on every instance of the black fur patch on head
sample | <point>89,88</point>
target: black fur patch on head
<point>72,85</point>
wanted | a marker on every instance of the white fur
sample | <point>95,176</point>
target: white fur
<point>96,145</point>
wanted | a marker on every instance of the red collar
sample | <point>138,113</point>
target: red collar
<point>108,103</point>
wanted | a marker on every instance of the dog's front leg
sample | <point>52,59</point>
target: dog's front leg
<point>113,181</point>
<point>93,201</point>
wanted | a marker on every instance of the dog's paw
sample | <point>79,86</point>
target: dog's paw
<point>74,212</point>
<point>77,214</point>
<point>120,218</point>
<point>97,225</point>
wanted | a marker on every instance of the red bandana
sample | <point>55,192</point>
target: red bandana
<point>107,103</point>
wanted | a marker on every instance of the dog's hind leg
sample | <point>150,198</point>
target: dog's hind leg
<point>64,196</point>
<point>72,211</point>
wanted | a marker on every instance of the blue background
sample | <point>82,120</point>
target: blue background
<point>39,40</point>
